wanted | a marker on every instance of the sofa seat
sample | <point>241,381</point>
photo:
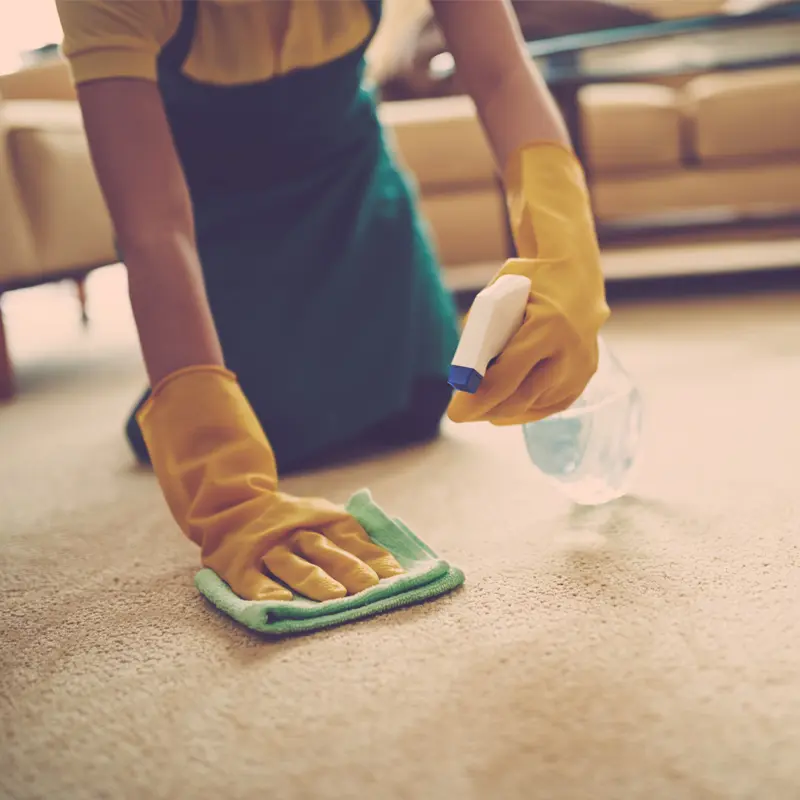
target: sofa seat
<point>49,159</point>
<point>468,226</point>
<point>772,186</point>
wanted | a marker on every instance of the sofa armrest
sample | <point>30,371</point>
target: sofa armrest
<point>48,81</point>
<point>17,250</point>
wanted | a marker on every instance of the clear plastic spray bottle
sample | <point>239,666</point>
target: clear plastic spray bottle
<point>590,450</point>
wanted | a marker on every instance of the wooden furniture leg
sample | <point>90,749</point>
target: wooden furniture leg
<point>80,285</point>
<point>6,370</point>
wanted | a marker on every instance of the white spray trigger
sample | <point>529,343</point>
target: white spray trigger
<point>495,316</point>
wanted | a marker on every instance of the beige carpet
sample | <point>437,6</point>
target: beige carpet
<point>647,649</point>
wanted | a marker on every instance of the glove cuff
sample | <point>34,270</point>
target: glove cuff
<point>211,369</point>
<point>193,399</point>
<point>542,151</point>
<point>546,192</point>
<point>201,431</point>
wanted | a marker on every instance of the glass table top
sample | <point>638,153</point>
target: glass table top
<point>765,38</point>
<point>759,44</point>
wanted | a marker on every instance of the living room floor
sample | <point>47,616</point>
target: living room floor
<point>645,649</point>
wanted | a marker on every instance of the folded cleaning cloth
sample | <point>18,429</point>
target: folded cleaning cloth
<point>427,576</point>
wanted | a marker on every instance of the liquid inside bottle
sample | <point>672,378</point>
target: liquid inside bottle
<point>590,451</point>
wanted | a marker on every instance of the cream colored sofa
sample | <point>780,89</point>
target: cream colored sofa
<point>53,221</point>
<point>728,143</point>
<point>718,146</point>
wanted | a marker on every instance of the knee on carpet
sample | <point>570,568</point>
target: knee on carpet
<point>420,421</point>
<point>422,417</point>
<point>134,433</point>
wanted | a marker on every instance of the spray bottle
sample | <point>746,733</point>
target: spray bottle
<point>589,451</point>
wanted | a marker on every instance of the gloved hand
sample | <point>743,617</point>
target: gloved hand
<point>219,477</point>
<point>547,364</point>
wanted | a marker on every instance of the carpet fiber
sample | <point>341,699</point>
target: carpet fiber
<point>647,649</point>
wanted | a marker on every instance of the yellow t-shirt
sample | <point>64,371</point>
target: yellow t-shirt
<point>235,41</point>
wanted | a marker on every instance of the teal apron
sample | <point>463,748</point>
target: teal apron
<point>320,274</point>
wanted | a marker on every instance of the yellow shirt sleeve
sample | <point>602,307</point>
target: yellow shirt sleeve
<point>116,38</point>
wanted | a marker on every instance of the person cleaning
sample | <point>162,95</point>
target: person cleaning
<point>283,283</point>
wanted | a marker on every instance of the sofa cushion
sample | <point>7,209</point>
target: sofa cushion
<point>630,127</point>
<point>468,227</point>
<point>53,170</point>
<point>744,114</point>
<point>440,140</point>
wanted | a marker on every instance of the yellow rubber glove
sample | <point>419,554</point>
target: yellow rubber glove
<point>547,364</point>
<point>219,477</point>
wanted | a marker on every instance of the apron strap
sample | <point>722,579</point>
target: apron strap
<point>177,49</point>
<point>375,8</point>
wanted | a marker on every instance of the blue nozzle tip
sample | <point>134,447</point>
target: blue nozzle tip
<point>464,379</point>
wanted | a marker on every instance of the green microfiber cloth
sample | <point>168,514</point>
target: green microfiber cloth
<point>426,576</point>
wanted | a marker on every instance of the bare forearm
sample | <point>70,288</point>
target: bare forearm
<point>518,110</point>
<point>513,102</point>
<point>146,193</point>
<point>170,307</point>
